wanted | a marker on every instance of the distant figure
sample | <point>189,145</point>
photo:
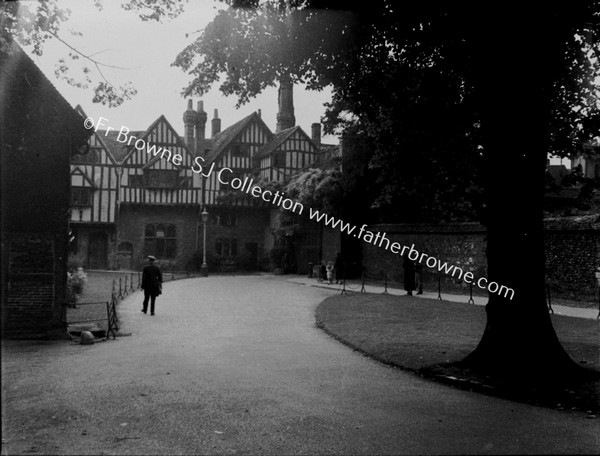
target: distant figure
<point>409,275</point>
<point>329,269</point>
<point>151,284</point>
<point>323,274</point>
<point>419,278</point>
<point>339,268</point>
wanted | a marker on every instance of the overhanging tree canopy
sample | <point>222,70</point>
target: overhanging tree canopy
<point>462,96</point>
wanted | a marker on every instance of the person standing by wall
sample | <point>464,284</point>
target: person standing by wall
<point>323,273</point>
<point>151,284</point>
<point>329,269</point>
<point>409,275</point>
<point>419,278</point>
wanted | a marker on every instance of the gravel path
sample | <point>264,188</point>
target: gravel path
<point>235,365</point>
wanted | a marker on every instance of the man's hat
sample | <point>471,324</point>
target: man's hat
<point>151,257</point>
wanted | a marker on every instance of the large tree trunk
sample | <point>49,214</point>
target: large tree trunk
<point>517,58</point>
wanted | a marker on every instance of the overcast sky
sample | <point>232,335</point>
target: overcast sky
<point>147,49</point>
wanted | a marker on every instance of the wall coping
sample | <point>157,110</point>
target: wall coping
<point>464,227</point>
<point>572,223</point>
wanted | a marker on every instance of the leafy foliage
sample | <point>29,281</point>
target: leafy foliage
<point>404,76</point>
<point>576,100</point>
<point>33,23</point>
<point>317,188</point>
<point>254,48</point>
<point>154,10</point>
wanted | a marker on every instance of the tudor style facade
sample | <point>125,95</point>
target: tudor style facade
<point>128,203</point>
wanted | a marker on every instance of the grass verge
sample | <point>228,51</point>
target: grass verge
<point>431,337</point>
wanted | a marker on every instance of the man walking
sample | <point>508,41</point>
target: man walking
<point>151,284</point>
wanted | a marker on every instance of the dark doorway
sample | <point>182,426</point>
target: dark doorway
<point>252,256</point>
<point>124,255</point>
<point>98,251</point>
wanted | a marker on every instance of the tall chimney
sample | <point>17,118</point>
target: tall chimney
<point>285,116</point>
<point>200,121</point>
<point>216,123</point>
<point>316,134</point>
<point>259,112</point>
<point>200,128</point>
<point>189,119</point>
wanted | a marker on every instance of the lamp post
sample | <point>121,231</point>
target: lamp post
<point>204,267</point>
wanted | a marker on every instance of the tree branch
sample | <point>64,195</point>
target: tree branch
<point>94,61</point>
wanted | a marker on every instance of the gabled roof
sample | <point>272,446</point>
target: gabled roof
<point>144,135</point>
<point>80,172</point>
<point>277,140</point>
<point>119,150</point>
<point>129,150</point>
<point>158,157</point>
<point>222,140</point>
<point>280,138</point>
<point>109,153</point>
<point>162,118</point>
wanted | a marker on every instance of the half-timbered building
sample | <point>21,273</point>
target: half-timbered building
<point>129,202</point>
<point>94,184</point>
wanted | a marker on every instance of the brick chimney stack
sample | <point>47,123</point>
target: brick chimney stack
<point>200,128</point>
<point>201,117</point>
<point>316,134</point>
<point>216,123</point>
<point>285,116</point>
<point>189,122</point>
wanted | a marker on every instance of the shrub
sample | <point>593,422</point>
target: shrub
<point>75,261</point>
<point>75,282</point>
<point>213,260</point>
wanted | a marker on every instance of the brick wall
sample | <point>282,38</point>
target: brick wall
<point>33,301</point>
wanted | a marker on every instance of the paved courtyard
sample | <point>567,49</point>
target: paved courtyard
<point>234,365</point>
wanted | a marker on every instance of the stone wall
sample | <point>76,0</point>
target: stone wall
<point>331,243</point>
<point>572,254</point>
<point>461,244</point>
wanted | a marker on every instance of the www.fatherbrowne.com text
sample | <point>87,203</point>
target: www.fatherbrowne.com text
<point>276,198</point>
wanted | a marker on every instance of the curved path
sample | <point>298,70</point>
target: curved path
<point>236,365</point>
